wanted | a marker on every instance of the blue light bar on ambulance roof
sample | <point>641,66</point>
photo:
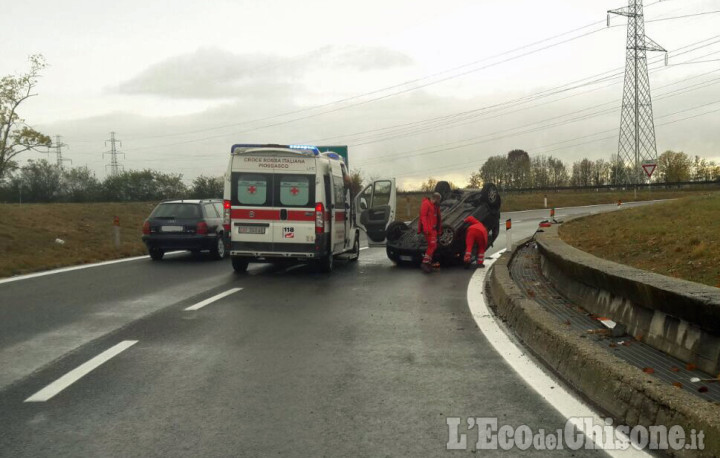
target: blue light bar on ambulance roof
<point>314,149</point>
<point>303,148</point>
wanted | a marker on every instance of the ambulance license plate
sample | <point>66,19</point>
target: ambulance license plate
<point>172,228</point>
<point>406,258</point>
<point>251,230</point>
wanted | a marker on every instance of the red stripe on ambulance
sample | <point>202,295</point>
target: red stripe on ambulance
<point>272,215</point>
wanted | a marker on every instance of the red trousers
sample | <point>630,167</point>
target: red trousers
<point>431,239</point>
<point>476,235</point>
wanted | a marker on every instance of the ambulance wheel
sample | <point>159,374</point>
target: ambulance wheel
<point>219,251</point>
<point>325,265</point>
<point>355,254</point>
<point>240,265</point>
<point>156,254</point>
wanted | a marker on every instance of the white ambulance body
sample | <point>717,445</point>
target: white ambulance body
<point>293,202</point>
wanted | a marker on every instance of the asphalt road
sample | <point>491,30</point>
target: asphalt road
<point>367,361</point>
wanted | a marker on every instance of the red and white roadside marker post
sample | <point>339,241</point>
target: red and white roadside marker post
<point>116,232</point>
<point>508,235</point>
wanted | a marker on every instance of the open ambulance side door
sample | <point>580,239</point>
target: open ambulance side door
<point>375,208</point>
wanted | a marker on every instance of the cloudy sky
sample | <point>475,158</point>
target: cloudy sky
<point>415,88</point>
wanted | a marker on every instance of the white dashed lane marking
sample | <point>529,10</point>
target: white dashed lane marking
<point>202,304</point>
<point>81,371</point>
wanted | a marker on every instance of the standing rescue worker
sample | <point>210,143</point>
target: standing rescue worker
<point>429,226</point>
<point>476,234</point>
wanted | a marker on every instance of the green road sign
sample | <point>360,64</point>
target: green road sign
<point>341,150</point>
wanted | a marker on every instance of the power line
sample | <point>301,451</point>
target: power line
<point>364,102</point>
<point>412,128</point>
<point>518,131</point>
<point>466,163</point>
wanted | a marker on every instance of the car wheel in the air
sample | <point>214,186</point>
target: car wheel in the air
<point>443,187</point>
<point>395,230</point>
<point>491,196</point>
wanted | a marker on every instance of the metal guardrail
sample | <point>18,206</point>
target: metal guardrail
<point>605,187</point>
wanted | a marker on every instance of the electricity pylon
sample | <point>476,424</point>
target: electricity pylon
<point>58,145</point>
<point>637,127</point>
<point>114,166</point>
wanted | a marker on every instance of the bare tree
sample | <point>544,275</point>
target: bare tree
<point>15,136</point>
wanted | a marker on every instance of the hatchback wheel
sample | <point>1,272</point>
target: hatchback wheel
<point>219,251</point>
<point>156,254</point>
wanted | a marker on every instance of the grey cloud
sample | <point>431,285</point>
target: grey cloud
<point>207,73</point>
<point>363,58</point>
<point>211,73</point>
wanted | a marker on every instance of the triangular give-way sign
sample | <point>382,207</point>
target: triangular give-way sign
<point>649,169</point>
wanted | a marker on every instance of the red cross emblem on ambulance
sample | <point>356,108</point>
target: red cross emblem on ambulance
<point>252,189</point>
<point>294,191</point>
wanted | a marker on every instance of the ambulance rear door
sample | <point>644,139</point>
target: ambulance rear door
<point>375,208</point>
<point>252,212</point>
<point>295,199</point>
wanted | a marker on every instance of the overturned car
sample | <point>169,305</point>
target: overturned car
<point>406,246</point>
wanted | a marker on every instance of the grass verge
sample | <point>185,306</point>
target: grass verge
<point>28,233</point>
<point>408,206</point>
<point>678,238</point>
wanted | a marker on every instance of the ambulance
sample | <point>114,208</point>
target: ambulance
<point>292,202</point>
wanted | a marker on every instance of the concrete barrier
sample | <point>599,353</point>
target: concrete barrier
<point>628,395</point>
<point>675,316</point>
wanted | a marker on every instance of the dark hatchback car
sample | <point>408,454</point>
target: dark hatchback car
<point>195,225</point>
<point>405,245</point>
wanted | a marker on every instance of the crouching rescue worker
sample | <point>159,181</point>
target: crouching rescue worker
<point>476,235</point>
<point>429,226</point>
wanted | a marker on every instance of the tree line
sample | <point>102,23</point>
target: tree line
<point>41,181</point>
<point>517,170</point>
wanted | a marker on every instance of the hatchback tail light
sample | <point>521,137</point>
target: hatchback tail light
<point>202,228</point>
<point>226,216</point>
<point>146,228</point>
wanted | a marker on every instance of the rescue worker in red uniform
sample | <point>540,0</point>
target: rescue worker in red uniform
<point>476,235</point>
<point>429,226</point>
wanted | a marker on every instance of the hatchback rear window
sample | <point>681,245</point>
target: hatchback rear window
<point>178,211</point>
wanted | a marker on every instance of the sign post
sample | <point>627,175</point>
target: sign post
<point>649,167</point>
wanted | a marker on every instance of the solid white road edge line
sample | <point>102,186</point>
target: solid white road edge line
<point>555,394</point>
<point>202,304</point>
<point>82,266</point>
<point>82,370</point>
